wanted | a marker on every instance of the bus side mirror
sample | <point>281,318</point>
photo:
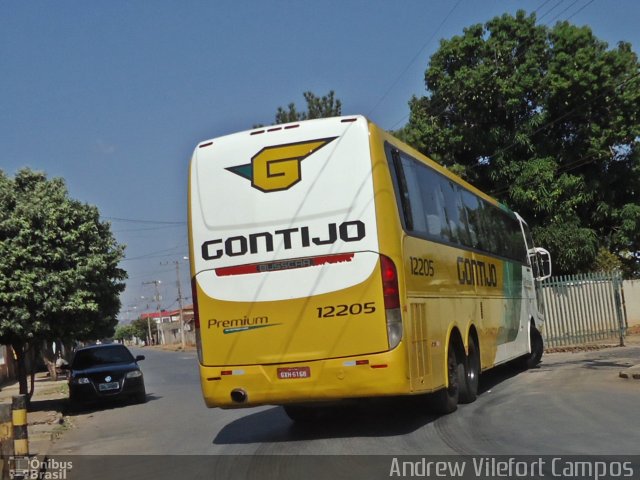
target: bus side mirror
<point>544,260</point>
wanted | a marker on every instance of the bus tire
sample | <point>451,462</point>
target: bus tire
<point>301,413</point>
<point>445,401</point>
<point>469,387</point>
<point>531,360</point>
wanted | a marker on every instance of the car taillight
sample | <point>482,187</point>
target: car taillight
<point>391,294</point>
<point>196,317</point>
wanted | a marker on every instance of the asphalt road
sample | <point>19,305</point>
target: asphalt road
<point>573,404</point>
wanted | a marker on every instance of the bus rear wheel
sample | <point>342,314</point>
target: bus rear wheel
<point>469,387</point>
<point>301,413</point>
<point>446,400</point>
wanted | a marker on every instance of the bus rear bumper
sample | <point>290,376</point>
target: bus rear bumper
<point>376,375</point>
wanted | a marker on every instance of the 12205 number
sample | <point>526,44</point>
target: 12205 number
<point>344,310</point>
<point>422,267</point>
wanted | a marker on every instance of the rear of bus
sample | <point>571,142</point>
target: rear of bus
<point>294,302</point>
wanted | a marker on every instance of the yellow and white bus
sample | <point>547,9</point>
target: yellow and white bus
<point>330,261</point>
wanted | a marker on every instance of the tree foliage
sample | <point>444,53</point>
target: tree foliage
<point>546,120</point>
<point>124,332</point>
<point>59,275</point>
<point>141,329</point>
<point>607,261</point>
<point>317,107</point>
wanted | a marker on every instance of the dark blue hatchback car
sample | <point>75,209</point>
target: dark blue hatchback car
<point>105,372</point>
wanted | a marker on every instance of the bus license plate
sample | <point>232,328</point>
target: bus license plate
<point>294,372</point>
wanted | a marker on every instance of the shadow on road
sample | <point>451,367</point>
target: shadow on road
<point>100,406</point>
<point>497,375</point>
<point>370,418</point>
<point>57,405</point>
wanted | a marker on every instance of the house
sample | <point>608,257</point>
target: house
<point>168,322</point>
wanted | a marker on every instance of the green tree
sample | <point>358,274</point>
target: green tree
<point>606,261</point>
<point>141,329</point>
<point>59,275</point>
<point>317,107</point>
<point>124,333</point>
<point>546,120</point>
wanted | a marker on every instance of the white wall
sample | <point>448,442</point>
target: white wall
<point>632,301</point>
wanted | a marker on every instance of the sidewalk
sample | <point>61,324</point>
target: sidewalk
<point>46,415</point>
<point>172,347</point>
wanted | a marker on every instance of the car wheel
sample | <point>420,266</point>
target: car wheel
<point>74,403</point>
<point>141,397</point>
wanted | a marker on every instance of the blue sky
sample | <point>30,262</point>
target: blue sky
<point>113,96</point>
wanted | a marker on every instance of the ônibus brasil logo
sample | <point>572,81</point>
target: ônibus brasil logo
<point>277,168</point>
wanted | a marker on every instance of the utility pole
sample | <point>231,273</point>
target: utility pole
<point>180,303</point>
<point>180,298</point>
<point>157,298</point>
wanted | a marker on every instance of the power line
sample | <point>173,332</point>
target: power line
<point>580,162</point>
<point>579,10</point>
<point>570,5</point>
<point>148,274</point>
<point>134,220</point>
<point>524,47</point>
<point>562,117</point>
<point>542,5</point>
<point>565,115</point>
<point>156,254</point>
<point>415,57</point>
<point>550,10</point>
<point>144,229</point>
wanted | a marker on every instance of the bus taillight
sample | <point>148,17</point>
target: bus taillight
<point>389,283</point>
<point>196,317</point>
<point>391,293</point>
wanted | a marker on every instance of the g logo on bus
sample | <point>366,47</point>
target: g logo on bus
<point>277,168</point>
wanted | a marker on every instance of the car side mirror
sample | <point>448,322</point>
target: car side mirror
<point>139,357</point>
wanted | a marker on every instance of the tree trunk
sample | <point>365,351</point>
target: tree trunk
<point>19,350</point>
<point>67,350</point>
<point>49,358</point>
<point>33,384</point>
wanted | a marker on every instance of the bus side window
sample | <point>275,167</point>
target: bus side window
<point>501,232</point>
<point>446,231</point>
<point>414,198</point>
<point>471,213</point>
<point>432,203</point>
<point>405,204</point>
<point>451,209</point>
<point>461,218</point>
<point>486,226</point>
<point>518,244</point>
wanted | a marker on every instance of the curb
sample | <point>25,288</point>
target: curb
<point>631,373</point>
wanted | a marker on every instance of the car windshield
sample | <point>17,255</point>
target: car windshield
<point>101,356</point>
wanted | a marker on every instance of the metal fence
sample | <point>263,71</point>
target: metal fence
<point>582,309</point>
